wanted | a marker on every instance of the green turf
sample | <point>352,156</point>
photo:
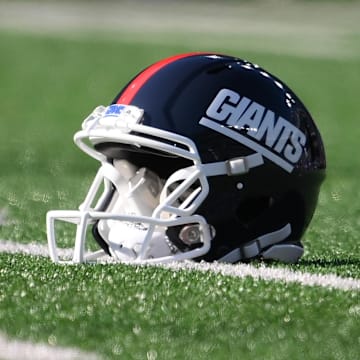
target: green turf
<point>48,85</point>
<point>114,310</point>
<point>62,81</point>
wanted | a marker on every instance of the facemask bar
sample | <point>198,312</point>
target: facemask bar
<point>126,129</point>
<point>88,215</point>
<point>80,218</point>
<point>97,128</point>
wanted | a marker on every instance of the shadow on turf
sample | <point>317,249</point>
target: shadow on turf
<point>331,262</point>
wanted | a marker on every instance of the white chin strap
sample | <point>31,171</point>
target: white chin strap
<point>131,242</point>
<point>137,194</point>
<point>142,208</point>
<point>268,247</point>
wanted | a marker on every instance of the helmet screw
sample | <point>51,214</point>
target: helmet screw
<point>190,234</point>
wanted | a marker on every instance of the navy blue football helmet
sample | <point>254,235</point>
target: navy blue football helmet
<point>203,156</point>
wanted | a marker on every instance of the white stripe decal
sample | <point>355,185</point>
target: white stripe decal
<point>247,142</point>
<point>238,270</point>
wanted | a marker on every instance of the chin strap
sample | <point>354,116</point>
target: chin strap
<point>267,246</point>
<point>235,166</point>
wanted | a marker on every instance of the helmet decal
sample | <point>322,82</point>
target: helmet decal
<point>249,122</point>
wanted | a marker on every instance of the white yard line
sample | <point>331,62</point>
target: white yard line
<point>272,274</point>
<point>238,270</point>
<point>15,349</point>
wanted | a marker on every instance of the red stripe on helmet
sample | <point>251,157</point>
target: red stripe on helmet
<point>135,85</point>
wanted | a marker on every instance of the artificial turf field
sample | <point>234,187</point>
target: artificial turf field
<point>48,84</point>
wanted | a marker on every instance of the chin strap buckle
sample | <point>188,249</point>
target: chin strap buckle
<point>267,247</point>
<point>287,253</point>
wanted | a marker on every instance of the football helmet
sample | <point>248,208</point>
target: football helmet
<point>202,156</point>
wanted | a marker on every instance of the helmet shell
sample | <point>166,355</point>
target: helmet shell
<point>179,92</point>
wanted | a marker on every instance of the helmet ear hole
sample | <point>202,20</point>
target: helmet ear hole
<point>250,210</point>
<point>261,215</point>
